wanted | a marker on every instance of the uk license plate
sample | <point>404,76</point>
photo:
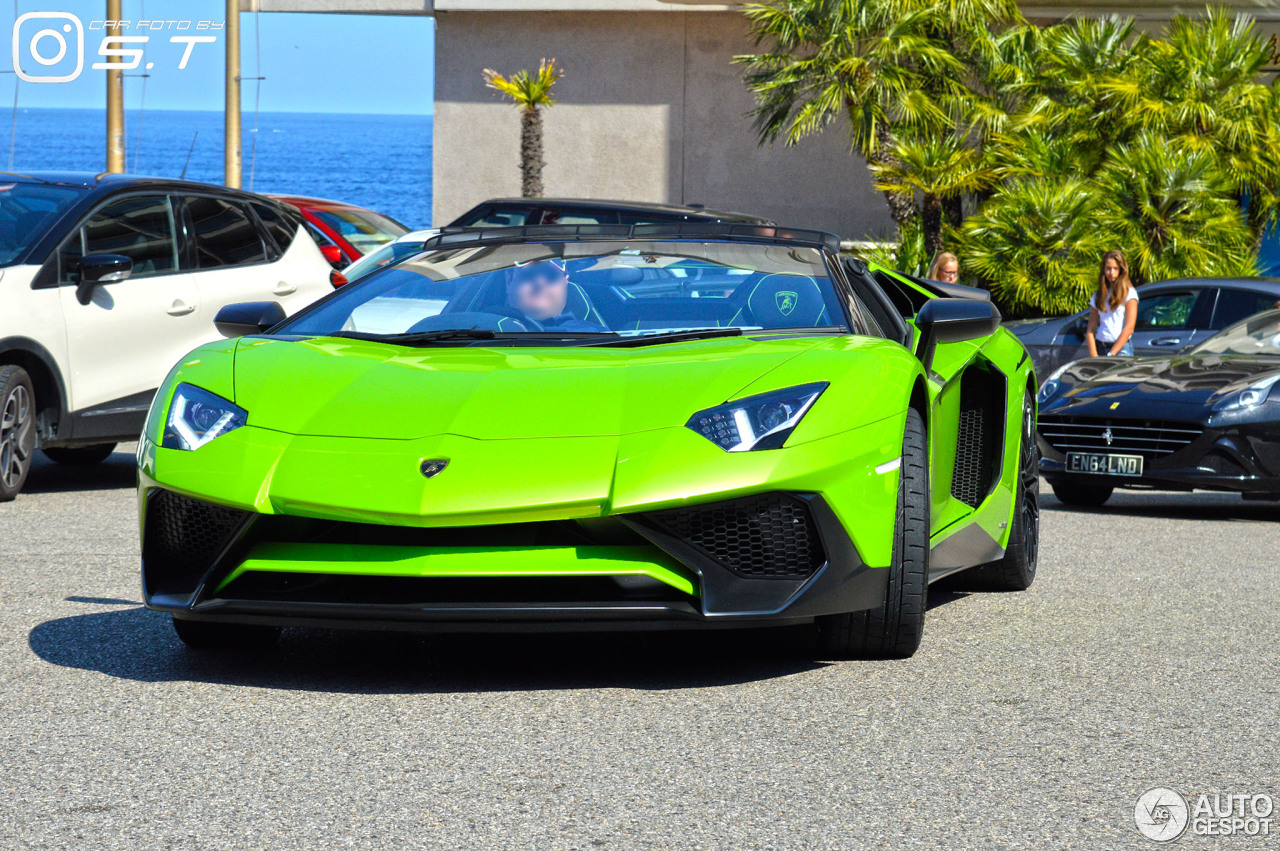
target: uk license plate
<point>1104,464</point>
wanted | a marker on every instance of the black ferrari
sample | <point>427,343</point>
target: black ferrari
<point>1205,418</point>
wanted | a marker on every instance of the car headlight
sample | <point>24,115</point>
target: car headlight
<point>1050,386</point>
<point>197,416</point>
<point>757,422</point>
<point>1251,396</point>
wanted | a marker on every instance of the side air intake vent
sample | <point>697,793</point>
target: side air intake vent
<point>981,431</point>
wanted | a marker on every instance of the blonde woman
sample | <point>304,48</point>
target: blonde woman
<point>1113,309</point>
<point>945,268</point>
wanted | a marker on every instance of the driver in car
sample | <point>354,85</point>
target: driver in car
<point>539,290</point>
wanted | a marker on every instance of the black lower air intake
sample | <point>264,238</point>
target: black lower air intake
<point>182,537</point>
<point>766,536</point>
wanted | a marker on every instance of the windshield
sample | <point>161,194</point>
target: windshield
<point>26,210</point>
<point>363,229</point>
<point>1257,335</point>
<point>617,289</point>
<point>384,256</point>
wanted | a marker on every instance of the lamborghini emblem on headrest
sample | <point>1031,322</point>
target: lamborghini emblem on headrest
<point>786,301</point>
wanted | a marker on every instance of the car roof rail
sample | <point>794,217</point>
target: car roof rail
<point>457,237</point>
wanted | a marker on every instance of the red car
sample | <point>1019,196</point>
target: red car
<point>344,232</point>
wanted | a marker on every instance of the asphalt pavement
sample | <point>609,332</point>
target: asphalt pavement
<point>1144,655</point>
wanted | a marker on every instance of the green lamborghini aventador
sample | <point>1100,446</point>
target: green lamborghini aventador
<point>704,425</point>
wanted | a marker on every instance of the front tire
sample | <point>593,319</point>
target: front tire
<point>17,430</point>
<point>893,630</point>
<point>205,635</point>
<point>1085,496</point>
<point>80,456</point>
<point>1017,569</point>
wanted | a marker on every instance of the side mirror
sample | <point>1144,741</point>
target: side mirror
<point>953,320</point>
<point>101,269</point>
<point>249,317</point>
<point>333,254</point>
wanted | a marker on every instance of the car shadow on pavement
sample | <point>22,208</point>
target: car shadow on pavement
<point>133,643</point>
<point>118,471</point>
<point>1174,506</point>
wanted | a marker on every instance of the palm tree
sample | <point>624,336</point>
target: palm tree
<point>863,59</point>
<point>1201,85</point>
<point>530,93</point>
<point>941,169</point>
<point>1029,153</point>
<point>1000,104</point>
<point>1173,211</point>
<point>1037,242</point>
<point>1076,105</point>
<point>906,255</point>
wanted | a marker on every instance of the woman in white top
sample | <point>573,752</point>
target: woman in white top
<point>1113,309</point>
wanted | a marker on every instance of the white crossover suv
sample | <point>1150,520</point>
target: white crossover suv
<point>106,281</point>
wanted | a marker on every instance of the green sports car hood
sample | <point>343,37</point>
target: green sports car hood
<point>338,387</point>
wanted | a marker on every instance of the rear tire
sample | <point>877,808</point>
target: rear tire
<point>80,456</point>
<point>204,635</point>
<point>1076,493</point>
<point>893,629</point>
<point>17,430</point>
<point>1017,570</point>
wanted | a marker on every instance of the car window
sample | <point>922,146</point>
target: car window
<point>223,234</point>
<point>570,216</point>
<point>69,257</point>
<point>1165,311</point>
<point>625,218</point>
<point>683,279</point>
<point>1234,305</point>
<point>363,229</point>
<point>318,235</point>
<point>390,253</point>
<point>498,217</point>
<point>281,226</point>
<point>140,228</point>
<point>591,286</point>
<point>1257,335</point>
<point>26,210</point>
<point>400,306</point>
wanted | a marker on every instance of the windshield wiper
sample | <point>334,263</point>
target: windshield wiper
<point>799,331</point>
<point>444,335</point>
<point>421,336</point>
<point>671,337</point>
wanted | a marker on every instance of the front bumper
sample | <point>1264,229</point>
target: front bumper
<point>763,559</point>
<point>1243,457</point>
<point>726,556</point>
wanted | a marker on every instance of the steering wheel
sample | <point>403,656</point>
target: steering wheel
<point>526,323</point>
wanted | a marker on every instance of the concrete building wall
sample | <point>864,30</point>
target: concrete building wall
<point>650,109</point>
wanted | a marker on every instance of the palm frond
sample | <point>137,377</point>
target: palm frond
<point>527,90</point>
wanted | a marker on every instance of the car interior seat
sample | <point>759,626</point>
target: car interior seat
<point>782,301</point>
<point>580,306</point>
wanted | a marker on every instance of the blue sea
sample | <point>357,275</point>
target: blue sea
<point>382,162</point>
